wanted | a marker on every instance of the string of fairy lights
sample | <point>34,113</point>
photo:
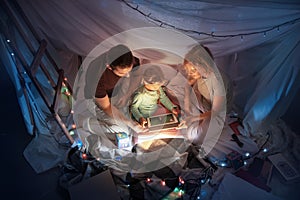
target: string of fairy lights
<point>65,92</point>
<point>189,188</point>
<point>213,34</point>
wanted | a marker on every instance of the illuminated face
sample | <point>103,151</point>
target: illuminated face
<point>122,72</point>
<point>191,71</point>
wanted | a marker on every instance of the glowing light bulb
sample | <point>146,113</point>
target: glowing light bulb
<point>79,144</point>
<point>84,156</point>
<point>163,183</point>
<point>181,180</point>
<point>180,193</point>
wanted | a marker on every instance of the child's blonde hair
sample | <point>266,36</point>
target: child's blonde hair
<point>153,74</point>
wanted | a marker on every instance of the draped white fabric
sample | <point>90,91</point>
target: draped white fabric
<point>255,42</point>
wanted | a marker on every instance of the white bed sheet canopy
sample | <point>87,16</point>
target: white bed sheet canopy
<point>255,42</point>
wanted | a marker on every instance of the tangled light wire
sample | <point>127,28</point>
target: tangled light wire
<point>211,34</point>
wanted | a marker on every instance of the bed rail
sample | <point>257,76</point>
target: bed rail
<point>38,63</point>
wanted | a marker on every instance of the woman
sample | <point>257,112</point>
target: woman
<point>205,98</point>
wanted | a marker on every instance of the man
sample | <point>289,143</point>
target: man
<point>119,63</point>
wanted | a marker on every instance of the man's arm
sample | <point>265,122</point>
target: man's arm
<point>104,104</point>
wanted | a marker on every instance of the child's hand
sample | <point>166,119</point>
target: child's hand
<point>175,111</point>
<point>143,122</point>
<point>136,127</point>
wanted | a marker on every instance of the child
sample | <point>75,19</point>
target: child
<point>149,95</point>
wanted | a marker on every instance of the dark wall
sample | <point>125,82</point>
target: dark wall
<point>292,116</point>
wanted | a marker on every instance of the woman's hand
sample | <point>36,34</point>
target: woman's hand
<point>190,119</point>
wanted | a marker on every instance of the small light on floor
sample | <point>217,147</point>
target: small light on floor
<point>79,144</point>
<point>180,193</point>
<point>223,164</point>
<point>181,181</point>
<point>84,156</point>
<point>71,132</point>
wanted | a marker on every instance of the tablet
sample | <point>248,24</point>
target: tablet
<point>164,121</point>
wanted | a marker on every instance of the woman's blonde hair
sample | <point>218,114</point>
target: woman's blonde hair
<point>200,56</point>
